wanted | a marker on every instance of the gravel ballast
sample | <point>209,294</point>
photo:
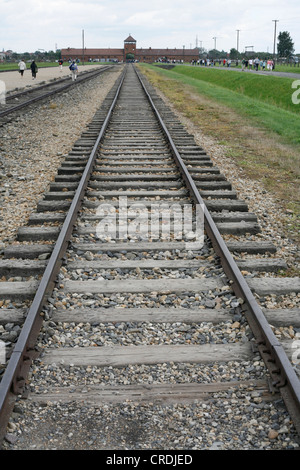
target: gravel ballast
<point>34,145</point>
<point>241,418</point>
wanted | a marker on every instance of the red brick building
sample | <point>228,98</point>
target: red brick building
<point>130,51</point>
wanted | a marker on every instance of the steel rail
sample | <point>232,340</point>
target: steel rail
<point>281,370</point>
<point>14,378</point>
<point>50,93</point>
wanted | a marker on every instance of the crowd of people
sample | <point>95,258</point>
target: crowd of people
<point>258,64</point>
<point>34,69</point>
<point>247,64</point>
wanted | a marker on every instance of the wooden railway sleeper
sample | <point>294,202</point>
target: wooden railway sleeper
<point>13,380</point>
<point>255,316</point>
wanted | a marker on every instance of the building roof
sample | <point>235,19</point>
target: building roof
<point>149,52</point>
<point>130,39</point>
<point>78,52</point>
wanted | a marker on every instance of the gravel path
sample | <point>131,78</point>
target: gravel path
<point>234,419</point>
<point>14,81</point>
<point>142,427</point>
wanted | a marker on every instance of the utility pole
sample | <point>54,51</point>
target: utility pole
<point>237,39</point>
<point>275,21</point>
<point>83,47</point>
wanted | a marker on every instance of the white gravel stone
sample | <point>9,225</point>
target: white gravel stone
<point>230,420</point>
<point>33,147</point>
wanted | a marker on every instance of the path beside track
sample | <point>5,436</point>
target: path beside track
<point>13,80</point>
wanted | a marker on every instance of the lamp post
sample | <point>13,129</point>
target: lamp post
<point>237,39</point>
<point>83,47</point>
<point>275,21</point>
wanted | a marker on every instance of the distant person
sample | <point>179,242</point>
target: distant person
<point>74,69</point>
<point>245,64</point>
<point>60,64</point>
<point>34,69</point>
<point>22,67</point>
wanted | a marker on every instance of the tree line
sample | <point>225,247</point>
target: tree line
<point>285,49</point>
<point>38,56</point>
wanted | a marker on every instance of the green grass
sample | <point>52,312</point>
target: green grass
<point>287,68</point>
<point>278,67</point>
<point>261,138</point>
<point>276,91</point>
<point>266,100</point>
<point>14,66</point>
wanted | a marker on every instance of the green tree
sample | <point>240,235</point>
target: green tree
<point>285,46</point>
<point>215,54</point>
<point>234,54</point>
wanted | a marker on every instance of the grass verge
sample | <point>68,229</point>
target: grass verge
<point>14,66</point>
<point>270,89</point>
<point>263,139</point>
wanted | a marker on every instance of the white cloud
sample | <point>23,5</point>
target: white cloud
<point>33,24</point>
<point>146,19</point>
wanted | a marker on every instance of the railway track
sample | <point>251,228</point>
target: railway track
<point>116,273</point>
<point>16,101</point>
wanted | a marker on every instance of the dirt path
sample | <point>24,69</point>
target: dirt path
<point>14,80</point>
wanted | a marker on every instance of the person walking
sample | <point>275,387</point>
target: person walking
<point>74,69</point>
<point>60,64</point>
<point>22,67</point>
<point>34,69</point>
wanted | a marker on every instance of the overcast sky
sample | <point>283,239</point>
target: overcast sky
<point>29,25</point>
